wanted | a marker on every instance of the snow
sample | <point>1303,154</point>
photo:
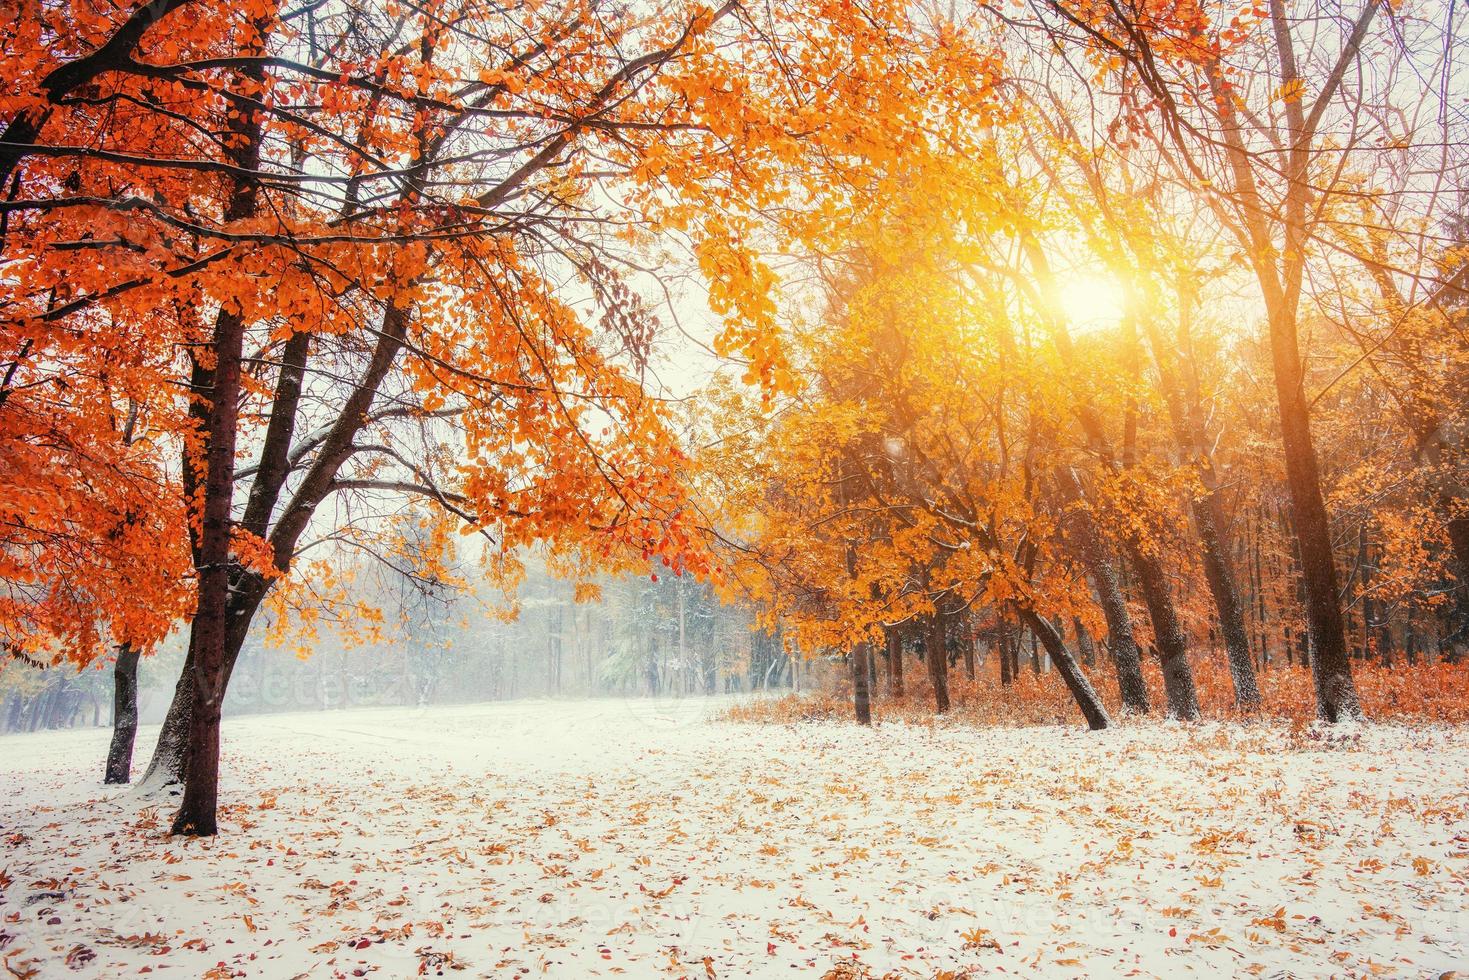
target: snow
<point>642,838</point>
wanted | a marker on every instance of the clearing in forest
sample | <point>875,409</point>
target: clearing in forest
<point>648,838</point>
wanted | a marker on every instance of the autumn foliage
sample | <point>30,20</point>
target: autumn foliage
<point>1437,694</point>
<point>1021,333</point>
<point>1023,397</point>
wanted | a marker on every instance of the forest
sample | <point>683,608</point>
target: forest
<point>932,461</point>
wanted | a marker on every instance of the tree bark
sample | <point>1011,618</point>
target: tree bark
<point>895,662</point>
<point>1121,643</point>
<point>938,662</point>
<point>1003,645</point>
<point>861,692</point>
<point>124,715</point>
<point>170,760</point>
<point>1209,520</point>
<point>1084,644</point>
<point>1336,694</point>
<point>1184,412</point>
<point>1280,285</point>
<point>1178,676</point>
<point>1458,528</point>
<point>166,766</point>
<point>1081,689</point>
<point>210,628</point>
<point>196,815</point>
<point>1102,570</point>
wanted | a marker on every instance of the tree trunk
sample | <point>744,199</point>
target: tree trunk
<point>1084,644</point>
<point>650,667</point>
<point>124,715</point>
<point>895,662</point>
<point>196,814</point>
<point>1182,398</point>
<point>1006,677</point>
<point>170,762</point>
<point>54,716</point>
<point>938,662</point>
<point>209,637</point>
<point>40,704</point>
<point>1209,518</point>
<point>1178,676</point>
<point>1280,285</point>
<point>1458,528</point>
<point>861,692</point>
<point>35,706</point>
<point>1331,671</point>
<point>1102,569</point>
<point>166,767</point>
<point>1081,689</point>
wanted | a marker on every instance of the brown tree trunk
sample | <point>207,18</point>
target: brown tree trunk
<point>124,715</point>
<point>936,655</point>
<point>1178,676</point>
<point>1084,644</point>
<point>861,692</point>
<point>1081,689</point>
<point>1336,694</point>
<point>1209,518</point>
<point>210,631</point>
<point>1003,644</point>
<point>1331,671</point>
<point>166,766</point>
<point>895,662</point>
<point>1102,569</point>
<point>1458,528</point>
<point>196,815</point>
<point>1280,285</point>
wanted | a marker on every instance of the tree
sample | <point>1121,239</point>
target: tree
<point>390,263</point>
<point>124,716</point>
<point>1265,202</point>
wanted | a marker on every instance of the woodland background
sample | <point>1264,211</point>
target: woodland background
<point>1022,362</point>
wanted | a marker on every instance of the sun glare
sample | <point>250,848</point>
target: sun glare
<point>1091,302</point>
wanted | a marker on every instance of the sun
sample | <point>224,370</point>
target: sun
<point>1091,302</point>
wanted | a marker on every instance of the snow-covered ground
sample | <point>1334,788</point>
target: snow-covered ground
<point>647,839</point>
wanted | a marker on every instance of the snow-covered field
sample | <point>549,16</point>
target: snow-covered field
<point>647,839</point>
